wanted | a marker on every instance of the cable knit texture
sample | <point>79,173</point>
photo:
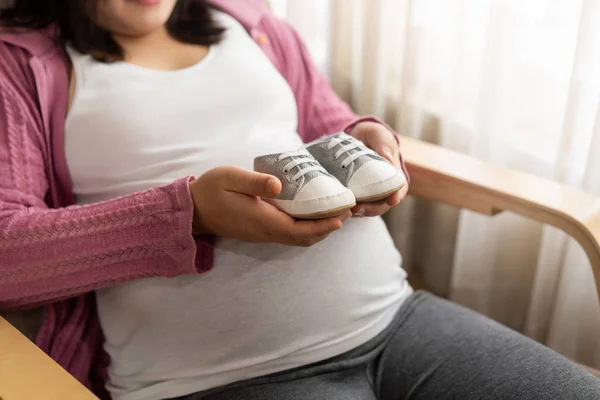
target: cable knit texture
<point>48,254</point>
<point>54,253</point>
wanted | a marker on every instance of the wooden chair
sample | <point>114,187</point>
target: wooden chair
<point>437,174</point>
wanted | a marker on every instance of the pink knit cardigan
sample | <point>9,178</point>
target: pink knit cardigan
<point>54,253</point>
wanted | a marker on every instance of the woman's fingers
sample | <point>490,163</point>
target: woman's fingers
<point>394,199</point>
<point>228,202</point>
<point>389,150</point>
<point>287,230</point>
<point>380,139</point>
<point>397,197</point>
<point>371,209</point>
<point>301,231</point>
<point>240,180</point>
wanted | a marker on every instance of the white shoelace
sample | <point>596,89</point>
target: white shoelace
<point>353,145</point>
<point>301,159</point>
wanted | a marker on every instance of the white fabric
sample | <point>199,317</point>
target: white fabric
<point>515,82</point>
<point>263,308</point>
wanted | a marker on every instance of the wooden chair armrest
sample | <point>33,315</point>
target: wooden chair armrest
<point>27,373</point>
<point>462,181</point>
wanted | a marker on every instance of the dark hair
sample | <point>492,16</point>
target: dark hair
<point>190,22</point>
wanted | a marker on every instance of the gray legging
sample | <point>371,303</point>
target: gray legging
<point>433,349</point>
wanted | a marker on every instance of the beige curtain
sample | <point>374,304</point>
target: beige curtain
<point>514,82</point>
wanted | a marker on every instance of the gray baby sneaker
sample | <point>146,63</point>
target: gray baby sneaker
<point>369,176</point>
<point>308,190</point>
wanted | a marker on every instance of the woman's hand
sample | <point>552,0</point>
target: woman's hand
<point>227,203</point>
<point>380,139</point>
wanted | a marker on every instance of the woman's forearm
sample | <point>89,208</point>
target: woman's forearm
<point>49,254</point>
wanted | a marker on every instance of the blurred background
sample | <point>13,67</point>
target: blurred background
<point>514,82</point>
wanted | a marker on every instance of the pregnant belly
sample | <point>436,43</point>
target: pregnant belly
<point>260,302</point>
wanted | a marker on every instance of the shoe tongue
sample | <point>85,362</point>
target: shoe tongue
<point>345,139</point>
<point>310,159</point>
<point>312,175</point>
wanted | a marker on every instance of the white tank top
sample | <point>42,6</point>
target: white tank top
<point>263,308</point>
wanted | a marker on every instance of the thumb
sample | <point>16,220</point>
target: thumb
<point>244,181</point>
<point>390,153</point>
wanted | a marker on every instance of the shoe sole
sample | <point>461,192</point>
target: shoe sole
<point>325,214</point>
<point>380,196</point>
<point>317,208</point>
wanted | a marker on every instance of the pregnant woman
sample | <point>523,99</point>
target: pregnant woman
<point>128,209</point>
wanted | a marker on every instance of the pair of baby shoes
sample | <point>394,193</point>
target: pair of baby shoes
<point>329,176</point>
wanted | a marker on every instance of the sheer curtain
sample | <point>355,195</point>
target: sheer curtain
<point>514,82</point>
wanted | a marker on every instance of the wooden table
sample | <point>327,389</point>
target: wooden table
<point>27,373</point>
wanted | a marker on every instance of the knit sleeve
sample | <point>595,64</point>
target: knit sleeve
<point>49,254</point>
